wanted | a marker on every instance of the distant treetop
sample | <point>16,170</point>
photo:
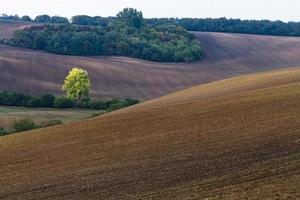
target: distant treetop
<point>131,17</point>
<point>38,19</point>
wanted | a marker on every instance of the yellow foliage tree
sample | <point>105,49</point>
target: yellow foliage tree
<point>77,85</point>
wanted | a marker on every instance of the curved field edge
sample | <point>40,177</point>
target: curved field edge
<point>243,143</point>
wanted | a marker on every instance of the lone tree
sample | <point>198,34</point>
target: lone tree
<point>77,85</point>
<point>131,17</point>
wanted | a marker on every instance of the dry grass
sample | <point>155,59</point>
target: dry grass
<point>226,55</point>
<point>8,115</point>
<point>234,139</point>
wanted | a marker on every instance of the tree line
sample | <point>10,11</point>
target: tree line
<point>50,101</point>
<point>261,27</point>
<point>37,19</point>
<point>27,124</point>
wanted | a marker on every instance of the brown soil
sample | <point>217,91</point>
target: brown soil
<point>232,139</point>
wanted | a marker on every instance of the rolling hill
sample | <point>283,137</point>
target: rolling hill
<point>232,139</point>
<point>7,28</point>
<point>226,55</point>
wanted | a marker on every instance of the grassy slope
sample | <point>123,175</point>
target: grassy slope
<point>232,139</point>
<point>8,115</point>
<point>226,55</point>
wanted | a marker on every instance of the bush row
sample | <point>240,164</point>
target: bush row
<point>25,100</point>
<point>50,101</point>
<point>26,125</point>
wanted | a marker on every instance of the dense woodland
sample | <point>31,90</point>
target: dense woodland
<point>125,35</point>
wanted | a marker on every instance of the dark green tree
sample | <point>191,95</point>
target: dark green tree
<point>131,17</point>
<point>43,19</point>
<point>63,102</point>
<point>34,102</point>
<point>26,18</point>
<point>47,100</point>
<point>59,20</point>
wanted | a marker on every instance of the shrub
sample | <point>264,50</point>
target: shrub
<point>3,131</point>
<point>14,99</point>
<point>83,104</point>
<point>24,125</point>
<point>115,106</point>
<point>52,122</point>
<point>63,102</point>
<point>47,100</point>
<point>130,102</point>
<point>2,98</point>
<point>118,104</point>
<point>21,99</point>
<point>34,102</point>
<point>99,104</point>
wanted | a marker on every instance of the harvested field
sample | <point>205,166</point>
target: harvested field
<point>226,55</point>
<point>232,139</point>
